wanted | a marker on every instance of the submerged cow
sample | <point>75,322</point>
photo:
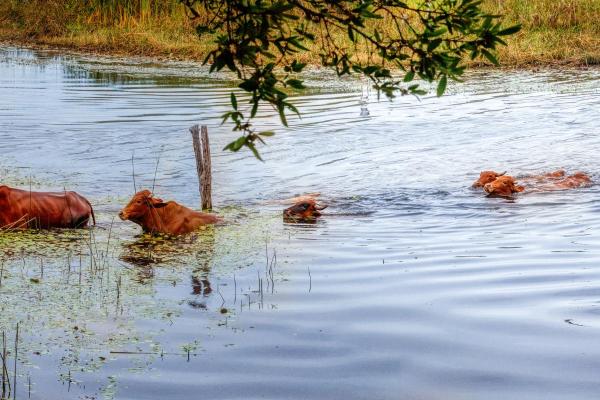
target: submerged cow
<point>505,185</point>
<point>22,209</point>
<point>303,208</point>
<point>306,210</point>
<point>156,216</point>
<point>486,177</point>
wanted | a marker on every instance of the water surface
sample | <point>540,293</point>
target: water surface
<point>413,286</point>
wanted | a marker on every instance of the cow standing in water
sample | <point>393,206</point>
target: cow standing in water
<point>156,216</point>
<point>22,209</point>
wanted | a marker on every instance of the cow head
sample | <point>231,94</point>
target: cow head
<point>486,177</point>
<point>303,211</point>
<point>560,173</point>
<point>139,206</point>
<point>503,186</point>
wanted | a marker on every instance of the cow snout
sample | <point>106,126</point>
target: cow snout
<point>488,188</point>
<point>123,216</point>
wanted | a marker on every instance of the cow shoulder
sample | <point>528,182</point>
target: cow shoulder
<point>176,209</point>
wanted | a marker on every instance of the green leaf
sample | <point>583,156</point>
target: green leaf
<point>297,66</point>
<point>238,143</point>
<point>497,39</point>
<point>487,22</point>
<point>489,56</point>
<point>441,88</point>
<point>410,75</point>
<point>233,101</point>
<point>254,109</point>
<point>267,133</point>
<point>249,85</point>
<point>252,148</point>
<point>433,45</point>
<point>202,29</point>
<point>282,115</point>
<point>510,30</point>
<point>292,108</point>
<point>370,69</point>
<point>295,83</point>
<point>438,32</point>
<point>294,41</point>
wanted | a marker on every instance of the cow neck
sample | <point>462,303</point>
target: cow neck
<point>155,218</point>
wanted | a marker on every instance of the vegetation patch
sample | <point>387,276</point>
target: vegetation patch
<point>79,295</point>
<point>554,32</point>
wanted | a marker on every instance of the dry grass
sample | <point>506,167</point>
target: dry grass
<point>554,31</point>
<point>67,24</point>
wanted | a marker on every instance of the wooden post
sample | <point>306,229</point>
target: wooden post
<point>203,165</point>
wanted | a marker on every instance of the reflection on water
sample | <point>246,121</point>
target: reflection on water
<point>411,285</point>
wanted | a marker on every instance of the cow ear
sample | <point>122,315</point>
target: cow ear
<point>157,203</point>
<point>519,188</point>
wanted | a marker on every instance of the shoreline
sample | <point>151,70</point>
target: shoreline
<point>62,45</point>
<point>162,55</point>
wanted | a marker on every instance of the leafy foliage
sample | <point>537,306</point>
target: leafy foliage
<point>260,41</point>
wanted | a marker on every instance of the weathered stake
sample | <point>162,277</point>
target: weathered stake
<point>203,164</point>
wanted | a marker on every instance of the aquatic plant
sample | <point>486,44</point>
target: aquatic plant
<point>78,295</point>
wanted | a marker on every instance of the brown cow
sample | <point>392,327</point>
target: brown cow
<point>486,177</point>
<point>295,199</point>
<point>22,209</point>
<point>503,186</point>
<point>156,216</point>
<point>506,185</point>
<point>578,179</point>
<point>304,211</point>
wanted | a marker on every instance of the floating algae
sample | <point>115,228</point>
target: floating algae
<point>80,295</point>
<point>68,295</point>
<point>43,243</point>
<point>15,177</point>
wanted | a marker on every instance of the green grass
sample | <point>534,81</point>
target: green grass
<point>554,31</point>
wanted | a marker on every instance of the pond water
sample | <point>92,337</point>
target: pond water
<point>412,286</point>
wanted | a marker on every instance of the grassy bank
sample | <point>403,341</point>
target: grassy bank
<point>554,31</point>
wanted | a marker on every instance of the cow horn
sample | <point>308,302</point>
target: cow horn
<point>322,206</point>
<point>504,173</point>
